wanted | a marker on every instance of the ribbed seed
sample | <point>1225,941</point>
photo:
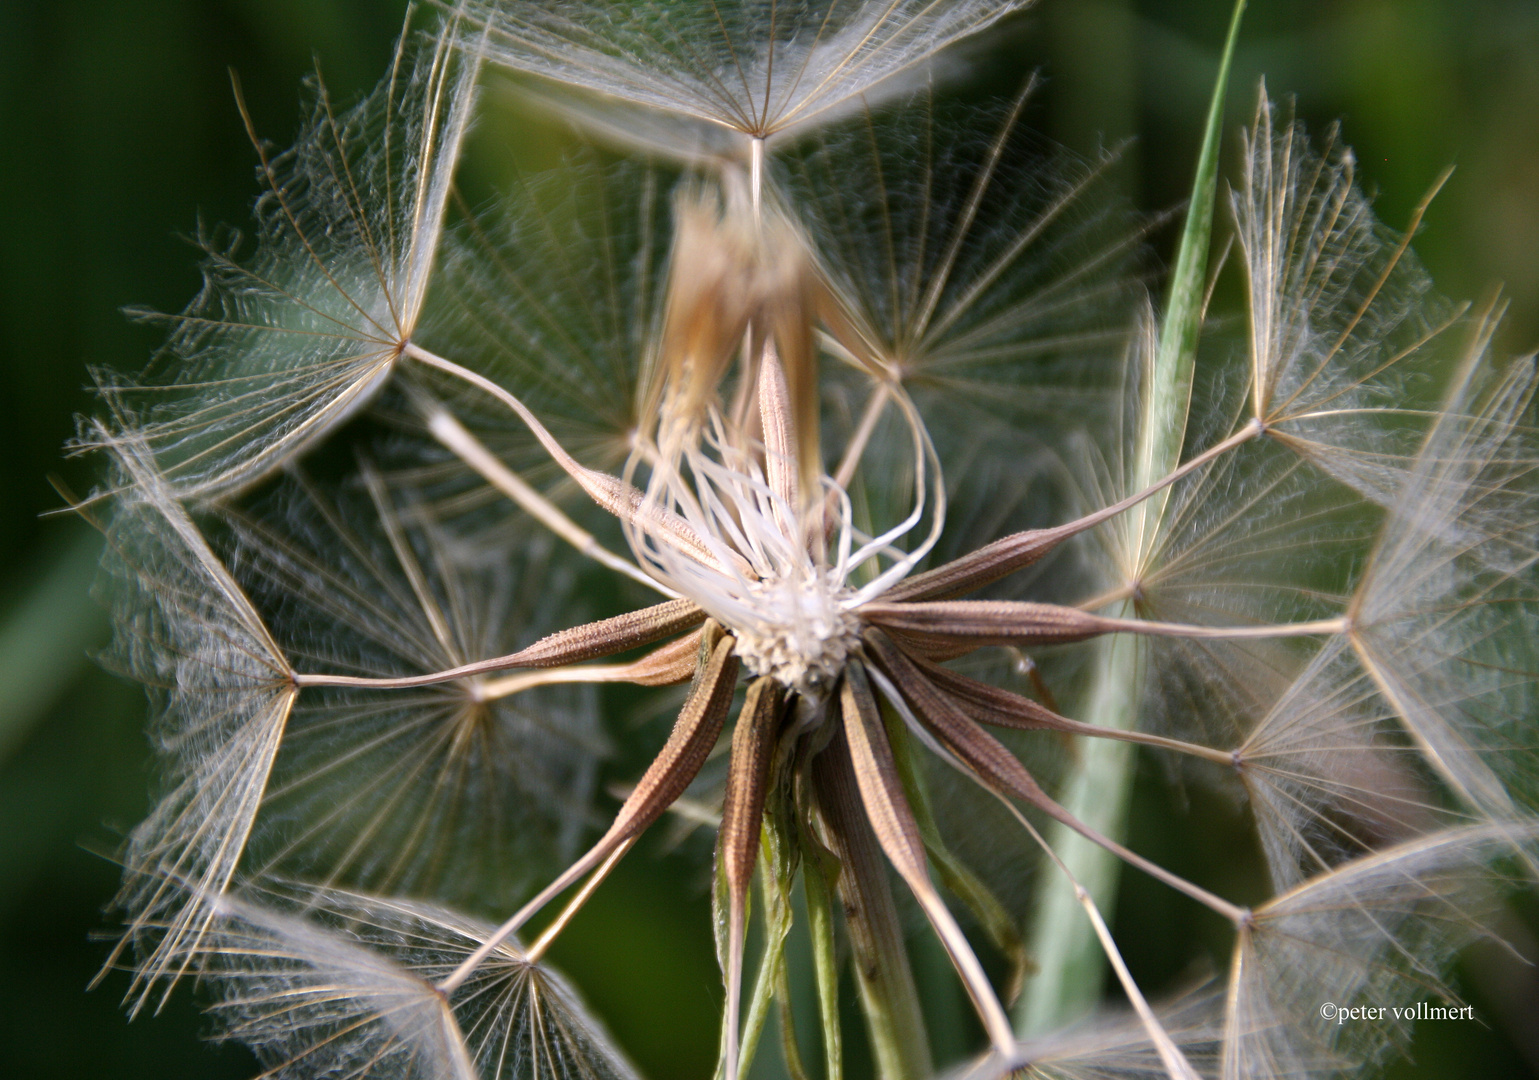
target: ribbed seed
<point>998,768</point>
<point>689,744</point>
<point>980,750</point>
<point>737,841</point>
<point>607,636</point>
<point>979,568</point>
<point>881,791</point>
<point>975,623</point>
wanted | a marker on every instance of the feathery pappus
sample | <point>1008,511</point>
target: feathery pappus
<point>835,417</point>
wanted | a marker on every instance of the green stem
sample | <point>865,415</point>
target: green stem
<point>777,919</point>
<point>819,872</point>
<point>1170,391</point>
<point>1070,967</point>
<point>880,959</point>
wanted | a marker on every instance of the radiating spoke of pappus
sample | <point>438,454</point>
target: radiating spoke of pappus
<point>1330,774</point>
<point>983,273</point>
<point>1113,1046</point>
<point>973,261</point>
<point>327,982</point>
<point>1446,616</point>
<point>459,790</point>
<point>296,330</point>
<point>1421,713</point>
<point>1252,538</point>
<point>706,80</point>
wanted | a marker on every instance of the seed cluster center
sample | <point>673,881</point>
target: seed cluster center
<point>803,635</point>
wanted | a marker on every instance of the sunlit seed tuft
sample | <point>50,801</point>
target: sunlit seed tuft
<point>291,337</point>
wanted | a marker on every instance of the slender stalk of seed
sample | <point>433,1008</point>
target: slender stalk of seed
<point>1234,1041</point>
<point>881,791</point>
<point>446,428</point>
<point>888,996</point>
<point>979,763</point>
<point>954,875</point>
<point>948,624</point>
<point>574,905</point>
<point>665,666</point>
<point>1000,770</point>
<point>1170,1055</point>
<point>1000,708</point>
<point>586,642</point>
<point>693,736</point>
<point>844,475</point>
<point>1070,968</point>
<point>756,174</point>
<point>609,492</point>
<point>1175,1062</point>
<point>1019,550</point>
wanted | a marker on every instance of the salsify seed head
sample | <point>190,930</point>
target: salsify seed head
<point>850,418</point>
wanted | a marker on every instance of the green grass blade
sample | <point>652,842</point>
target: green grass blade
<point>1070,968</point>
<point>1164,427</point>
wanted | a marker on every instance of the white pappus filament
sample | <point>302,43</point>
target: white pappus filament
<point>783,571</point>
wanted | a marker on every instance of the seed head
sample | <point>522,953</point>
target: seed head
<point>737,389</point>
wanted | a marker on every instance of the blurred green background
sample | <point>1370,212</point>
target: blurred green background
<point>118,131</point>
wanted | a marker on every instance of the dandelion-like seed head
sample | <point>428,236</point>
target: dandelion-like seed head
<point>746,391</point>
